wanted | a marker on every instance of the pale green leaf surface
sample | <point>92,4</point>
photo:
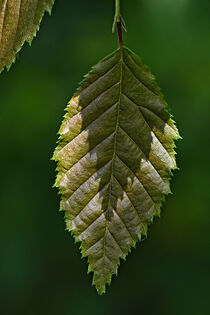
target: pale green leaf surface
<point>19,22</point>
<point>115,156</point>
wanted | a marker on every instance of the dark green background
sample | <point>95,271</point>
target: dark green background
<point>41,271</point>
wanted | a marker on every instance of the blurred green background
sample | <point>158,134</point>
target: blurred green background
<point>41,271</point>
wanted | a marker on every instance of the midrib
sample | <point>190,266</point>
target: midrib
<point>114,152</point>
<point>117,126</point>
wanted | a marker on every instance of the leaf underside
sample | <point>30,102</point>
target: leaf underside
<point>19,22</point>
<point>114,160</point>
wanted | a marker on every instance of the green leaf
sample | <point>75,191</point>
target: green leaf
<point>115,156</point>
<point>19,22</point>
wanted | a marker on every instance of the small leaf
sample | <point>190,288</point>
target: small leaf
<point>19,22</point>
<point>115,156</point>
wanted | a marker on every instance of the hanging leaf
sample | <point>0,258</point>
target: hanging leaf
<point>19,22</point>
<point>115,156</point>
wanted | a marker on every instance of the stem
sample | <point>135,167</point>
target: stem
<point>117,11</point>
<point>119,32</point>
<point>118,20</point>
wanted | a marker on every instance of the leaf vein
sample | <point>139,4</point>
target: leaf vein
<point>91,246</point>
<point>147,109</point>
<point>153,113</point>
<point>88,126</point>
<point>152,165</point>
<point>19,8</point>
<point>97,193</point>
<point>124,224</point>
<point>150,128</point>
<point>131,171</point>
<point>103,140</point>
<point>115,240</point>
<point>117,181</point>
<point>133,74</point>
<point>141,69</point>
<point>104,166</point>
<point>100,77</point>
<point>88,226</point>
<point>2,20</point>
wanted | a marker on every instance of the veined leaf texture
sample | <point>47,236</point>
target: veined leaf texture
<point>19,22</point>
<point>114,160</point>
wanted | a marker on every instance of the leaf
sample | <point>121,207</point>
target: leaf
<point>115,156</point>
<point>19,22</point>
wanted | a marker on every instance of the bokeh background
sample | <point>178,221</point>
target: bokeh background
<point>41,271</point>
